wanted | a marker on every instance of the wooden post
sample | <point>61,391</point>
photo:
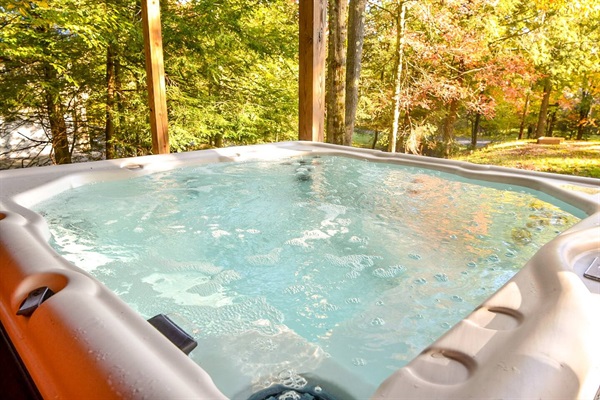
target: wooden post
<point>311,82</point>
<point>155,76</point>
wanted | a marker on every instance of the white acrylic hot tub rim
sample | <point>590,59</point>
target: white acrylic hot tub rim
<point>536,337</point>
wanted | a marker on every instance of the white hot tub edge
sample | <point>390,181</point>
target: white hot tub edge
<point>537,337</point>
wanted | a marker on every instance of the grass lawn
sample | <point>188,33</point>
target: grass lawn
<point>580,158</point>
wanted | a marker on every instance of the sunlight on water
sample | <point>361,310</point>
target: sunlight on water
<point>335,265</point>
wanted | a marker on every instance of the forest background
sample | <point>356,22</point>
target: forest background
<point>409,75</point>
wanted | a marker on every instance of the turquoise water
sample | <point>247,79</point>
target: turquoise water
<point>333,266</point>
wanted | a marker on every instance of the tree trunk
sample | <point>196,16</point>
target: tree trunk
<point>219,140</point>
<point>119,98</point>
<point>109,129</point>
<point>400,61</point>
<point>406,127</point>
<point>375,138</point>
<point>448,128</point>
<point>585,108</point>
<point>58,125</point>
<point>550,129</point>
<point>541,125</point>
<point>356,35</point>
<point>77,131</point>
<point>523,115</point>
<point>475,130</point>
<point>336,68</point>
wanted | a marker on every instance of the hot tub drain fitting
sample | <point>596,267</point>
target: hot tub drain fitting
<point>283,392</point>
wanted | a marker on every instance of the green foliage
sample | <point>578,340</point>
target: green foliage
<point>231,72</point>
<point>231,69</point>
<point>58,51</point>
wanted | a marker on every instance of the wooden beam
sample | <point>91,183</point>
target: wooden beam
<point>311,82</point>
<point>155,76</point>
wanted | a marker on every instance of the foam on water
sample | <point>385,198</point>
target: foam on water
<point>335,265</point>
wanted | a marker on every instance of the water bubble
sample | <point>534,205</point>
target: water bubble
<point>377,321</point>
<point>441,277</point>
<point>325,306</point>
<point>291,379</point>
<point>380,273</point>
<point>318,389</point>
<point>397,268</point>
<point>359,362</point>
<point>353,274</point>
<point>558,220</point>
<point>294,289</point>
<point>389,272</point>
<point>445,325</point>
<point>353,300</point>
<point>420,281</point>
<point>379,303</point>
<point>303,174</point>
<point>471,264</point>
<point>510,254</point>
<point>457,298</point>
<point>290,395</point>
<point>356,239</point>
<point>493,258</point>
<point>414,256</point>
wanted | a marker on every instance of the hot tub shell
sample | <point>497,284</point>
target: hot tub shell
<point>537,337</point>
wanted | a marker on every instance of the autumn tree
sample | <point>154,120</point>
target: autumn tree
<point>561,39</point>
<point>399,61</point>
<point>336,73</point>
<point>589,91</point>
<point>356,26</point>
<point>456,60</point>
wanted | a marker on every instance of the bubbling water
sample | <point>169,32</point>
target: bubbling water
<point>336,265</point>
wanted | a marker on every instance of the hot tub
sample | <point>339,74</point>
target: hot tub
<point>537,337</point>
